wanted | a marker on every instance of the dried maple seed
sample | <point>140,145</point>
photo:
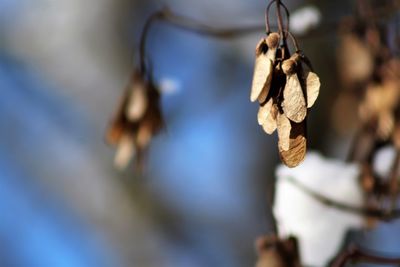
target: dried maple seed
<point>264,112</point>
<point>137,120</point>
<point>285,92</point>
<point>284,128</point>
<point>356,62</point>
<point>271,125</point>
<point>263,70</point>
<point>138,102</point>
<point>125,152</point>
<point>267,116</point>
<point>289,67</point>
<point>313,85</point>
<point>296,153</point>
<point>294,103</point>
<point>273,40</point>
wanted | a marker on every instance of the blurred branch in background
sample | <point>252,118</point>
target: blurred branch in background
<point>197,205</point>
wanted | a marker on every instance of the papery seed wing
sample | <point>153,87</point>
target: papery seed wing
<point>125,152</point>
<point>313,85</point>
<point>262,77</point>
<point>115,132</point>
<point>262,71</point>
<point>271,55</point>
<point>138,103</point>
<point>356,62</point>
<point>264,112</point>
<point>144,135</point>
<point>270,124</point>
<point>284,128</point>
<point>297,146</point>
<point>294,103</point>
<point>118,124</point>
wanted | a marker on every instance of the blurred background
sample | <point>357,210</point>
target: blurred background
<point>203,198</point>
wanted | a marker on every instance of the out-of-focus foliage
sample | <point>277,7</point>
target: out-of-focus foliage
<point>202,198</point>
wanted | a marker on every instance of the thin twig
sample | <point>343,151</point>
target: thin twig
<point>182,22</point>
<point>394,181</point>
<point>366,212</point>
<point>194,26</point>
<point>355,254</point>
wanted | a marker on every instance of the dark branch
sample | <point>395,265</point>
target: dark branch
<point>355,254</point>
<point>366,212</point>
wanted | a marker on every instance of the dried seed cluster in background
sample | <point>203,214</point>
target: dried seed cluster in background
<point>274,252</point>
<point>369,71</point>
<point>136,121</point>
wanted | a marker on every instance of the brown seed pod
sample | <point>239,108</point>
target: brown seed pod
<point>264,112</point>
<point>289,67</point>
<point>294,103</point>
<point>273,40</point>
<point>115,132</point>
<point>271,124</point>
<point>137,103</point>
<point>379,99</point>
<point>284,129</point>
<point>119,122</point>
<point>137,120</point>
<point>356,61</point>
<point>313,86</point>
<point>296,153</point>
<point>275,252</point>
<point>267,116</point>
<point>125,151</point>
<point>264,66</point>
<point>262,71</point>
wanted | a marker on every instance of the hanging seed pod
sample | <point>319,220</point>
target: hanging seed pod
<point>267,116</point>
<point>138,102</point>
<point>137,120</point>
<point>284,90</point>
<point>356,62</point>
<point>294,103</point>
<point>125,152</point>
<point>296,153</point>
<point>275,252</point>
<point>284,130</point>
<point>313,86</point>
<point>270,125</point>
<point>119,123</point>
<point>264,66</point>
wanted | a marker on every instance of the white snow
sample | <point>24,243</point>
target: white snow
<point>169,85</point>
<point>304,19</point>
<point>383,161</point>
<point>320,229</point>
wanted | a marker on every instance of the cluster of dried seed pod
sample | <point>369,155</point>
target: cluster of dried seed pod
<point>137,120</point>
<point>285,87</point>
<point>370,76</point>
<point>274,252</point>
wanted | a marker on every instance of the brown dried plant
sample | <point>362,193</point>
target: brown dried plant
<point>274,252</point>
<point>137,120</point>
<point>285,87</point>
